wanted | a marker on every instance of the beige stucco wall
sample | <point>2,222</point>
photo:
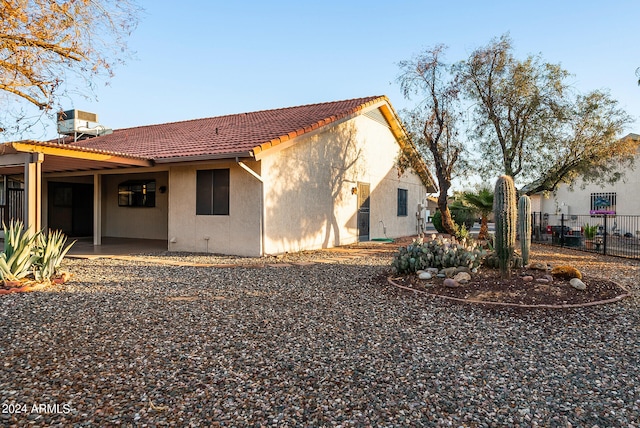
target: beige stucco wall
<point>384,214</point>
<point>134,222</point>
<point>578,200</point>
<point>308,188</point>
<point>537,203</point>
<point>238,233</point>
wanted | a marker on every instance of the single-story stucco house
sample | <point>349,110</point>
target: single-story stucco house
<point>250,184</point>
<point>614,208</point>
<point>587,199</point>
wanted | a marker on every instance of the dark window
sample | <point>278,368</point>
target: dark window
<point>402,202</point>
<point>135,194</point>
<point>63,196</point>
<point>212,193</point>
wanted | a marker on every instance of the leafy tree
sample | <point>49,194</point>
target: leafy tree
<point>587,146</point>
<point>482,202</point>
<point>45,43</point>
<point>531,126</point>
<point>432,123</point>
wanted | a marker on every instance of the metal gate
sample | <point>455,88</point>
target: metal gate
<point>363,212</point>
<point>13,209</point>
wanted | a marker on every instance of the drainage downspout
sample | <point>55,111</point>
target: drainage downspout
<point>259,178</point>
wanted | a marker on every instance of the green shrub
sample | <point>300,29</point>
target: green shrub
<point>437,222</point>
<point>462,234</point>
<point>462,215</point>
<point>437,253</point>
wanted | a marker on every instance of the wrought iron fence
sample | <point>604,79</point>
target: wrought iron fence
<point>615,235</point>
<point>13,207</point>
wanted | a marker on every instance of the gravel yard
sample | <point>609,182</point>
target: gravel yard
<point>322,342</point>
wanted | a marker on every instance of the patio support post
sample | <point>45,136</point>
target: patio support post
<point>33,190</point>
<point>97,209</point>
<point>5,185</point>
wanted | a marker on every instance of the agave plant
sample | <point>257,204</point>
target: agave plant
<point>50,250</point>
<point>17,259</point>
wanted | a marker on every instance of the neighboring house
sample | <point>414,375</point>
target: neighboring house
<point>614,199</point>
<point>614,207</point>
<point>250,184</point>
<point>432,205</point>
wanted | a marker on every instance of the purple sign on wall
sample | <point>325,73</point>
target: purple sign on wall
<point>602,212</point>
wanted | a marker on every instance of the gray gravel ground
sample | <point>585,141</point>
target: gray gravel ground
<point>132,343</point>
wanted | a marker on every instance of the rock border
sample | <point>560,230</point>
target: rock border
<point>30,285</point>
<point>626,293</point>
<point>27,288</point>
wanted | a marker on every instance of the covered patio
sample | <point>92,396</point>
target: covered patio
<point>23,164</point>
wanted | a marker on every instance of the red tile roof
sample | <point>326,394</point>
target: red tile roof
<point>223,136</point>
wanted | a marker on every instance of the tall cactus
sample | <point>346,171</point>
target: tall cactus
<point>524,227</point>
<point>505,211</point>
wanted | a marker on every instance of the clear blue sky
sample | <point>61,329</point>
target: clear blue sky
<point>198,59</point>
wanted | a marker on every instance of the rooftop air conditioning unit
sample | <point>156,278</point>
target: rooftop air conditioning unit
<point>77,122</point>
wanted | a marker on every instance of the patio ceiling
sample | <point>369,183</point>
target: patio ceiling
<point>62,158</point>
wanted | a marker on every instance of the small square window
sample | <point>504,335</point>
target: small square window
<point>402,202</point>
<point>137,194</point>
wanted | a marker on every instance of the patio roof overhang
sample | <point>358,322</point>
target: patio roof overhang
<point>32,159</point>
<point>56,157</point>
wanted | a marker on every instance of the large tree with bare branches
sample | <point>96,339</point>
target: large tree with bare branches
<point>44,43</point>
<point>432,124</point>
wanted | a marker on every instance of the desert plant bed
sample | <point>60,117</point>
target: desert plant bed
<point>602,276</point>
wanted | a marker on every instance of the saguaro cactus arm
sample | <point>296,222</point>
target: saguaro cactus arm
<point>524,227</point>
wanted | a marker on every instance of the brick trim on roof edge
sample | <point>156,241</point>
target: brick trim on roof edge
<point>80,149</point>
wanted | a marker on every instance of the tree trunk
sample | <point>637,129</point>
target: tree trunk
<point>484,227</point>
<point>447,222</point>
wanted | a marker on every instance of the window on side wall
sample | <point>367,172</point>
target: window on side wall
<point>402,202</point>
<point>603,203</point>
<point>212,192</point>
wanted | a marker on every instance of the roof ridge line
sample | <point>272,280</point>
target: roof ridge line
<point>370,98</point>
